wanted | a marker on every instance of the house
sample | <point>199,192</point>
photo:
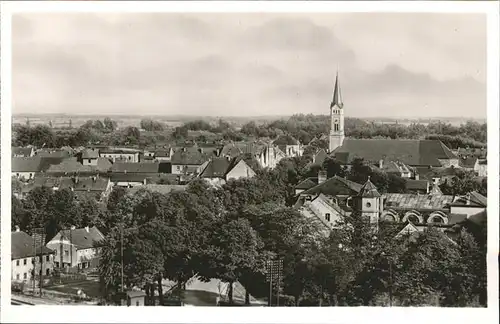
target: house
<point>96,186</point>
<point>120,154</point>
<point>23,152</point>
<point>159,188</point>
<point>318,158</point>
<point>289,145</point>
<point>90,156</point>
<point>163,154</point>
<point>267,155</point>
<point>410,152</point>
<point>322,210</point>
<point>76,247</point>
<point>73,166</point>
<point>26,168</point>
<point>481,168</point>
<point>189,160</point>
<point>221,169</point>
<point>55,153</point>
<point>135,298</point>
<point>135,167</point>
<point>418,186</point>
<point>397,168</point>
<point>470,204</point>
<point>129,180</point>
<point>29,257</point>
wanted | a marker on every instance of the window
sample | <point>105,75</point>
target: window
<point>25,261</point>
<point>25,276</point>
<point>47,258</point>
<point>17,276</point>
<point>336,127</point>
<point>66,253</point>
<point>178,167</point>
<point>90,160</point>
<point>47,272</point>
<point>368,204</point>
<point>327,216</point>
<point>17,262</point>
<point>137,303</point>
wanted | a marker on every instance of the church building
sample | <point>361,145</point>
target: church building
<point>414,153</point>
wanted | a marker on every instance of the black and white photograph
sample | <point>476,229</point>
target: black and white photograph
<point>252,159</point>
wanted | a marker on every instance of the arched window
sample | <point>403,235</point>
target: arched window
<point>413,219</point>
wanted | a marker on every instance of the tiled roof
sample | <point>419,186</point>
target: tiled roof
<point>415,201</point>
<point>217,168</point>
<point>286,140</point>
<point>368,190</point>
<point>334,186</point>
<point>417,184</point>
<point>139,167</point>
<point>320,157</point>
<point>189,156</point>
<point>26,164</point>
<point>307,183</point>
<point>80,237</point>
<point>111,150</point>
<point>160,188</point>
<point>90,153</point>
<point>22,151</point>
<point>75,183</point>
<point>69,166</point>
<point>22,246</point>
<point>411,152</point>
<point>456,218</point>
<point>473,199</point>
<point>33,164</point>
<point>50,153</point>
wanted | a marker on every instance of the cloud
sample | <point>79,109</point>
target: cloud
<point>248,64</point>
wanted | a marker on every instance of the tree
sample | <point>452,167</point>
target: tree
<point>110,125</point>
<point>333,168</point>
<point>233,250</point>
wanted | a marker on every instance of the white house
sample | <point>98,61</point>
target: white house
<point>120,155</point>
<point>25,257</point>
<point>76,247</point>
<point>219,170</point>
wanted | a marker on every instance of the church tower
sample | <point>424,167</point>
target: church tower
<point>336,138</point>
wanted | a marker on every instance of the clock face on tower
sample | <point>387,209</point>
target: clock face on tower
<point>336,121</point>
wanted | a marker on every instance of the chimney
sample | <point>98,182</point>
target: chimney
<point>17,228</point>
<point>417,176</point>
<point>381,163</point>
<point>86,229</point>
<point>322,176</point>
<point>144,181</point>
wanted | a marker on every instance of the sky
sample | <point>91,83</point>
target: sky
<point>249,64</point>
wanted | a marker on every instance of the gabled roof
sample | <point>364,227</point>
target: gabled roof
<point>307,183</point>
<point>22,246</point>
<point>319,157</point>
<point>69,166</point>
<point>137,167</point>
<point>409,229</point>
<point>334,186</point>
<point>473,199</point>
<point>467,161</point>
<point>410,152</point>
<point>160,188</point>
<point>22,151</point>
<point>75,183</point>
<point>118,150</point>
<point>26,164</point>
<point>80,237</point>
<point>90,153</point>
<point>220,167</point>
<point>368,190</point>
<point>189,156</point>
<point>412,184</point>
<point>286,140</point>
<point>54,153</point>
<point>33,164</point>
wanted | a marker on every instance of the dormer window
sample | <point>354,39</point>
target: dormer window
<point>327,216</point>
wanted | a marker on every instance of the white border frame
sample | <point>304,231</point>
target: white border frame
<point>69,314</point>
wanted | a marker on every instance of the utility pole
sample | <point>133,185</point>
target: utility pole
<point>390,283</point>
<point>121,248</point>
<point>274,268</point>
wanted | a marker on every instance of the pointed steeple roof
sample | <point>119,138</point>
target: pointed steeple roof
<point>337,95</point>
<point>368,190</point>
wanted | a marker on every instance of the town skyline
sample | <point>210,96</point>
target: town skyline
<point>291,70</point>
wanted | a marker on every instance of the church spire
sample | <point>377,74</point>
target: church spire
<point>337,95</point>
